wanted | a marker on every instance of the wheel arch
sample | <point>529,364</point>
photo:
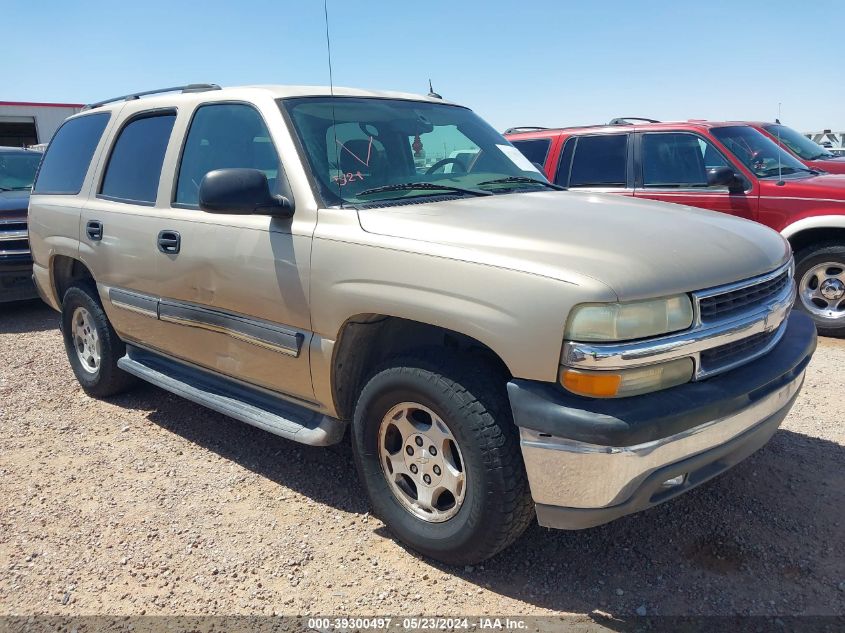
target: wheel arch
<point>366,340</point>
<point>64,272</point>
<point>813,230</point>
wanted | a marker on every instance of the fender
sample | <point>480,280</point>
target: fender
<point>815,222</point>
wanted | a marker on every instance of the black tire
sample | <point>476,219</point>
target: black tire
<point>107,379</point>
<point>472,400</point>
<point>805,260</point>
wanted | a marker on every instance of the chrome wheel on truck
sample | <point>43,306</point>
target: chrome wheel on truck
<point>820,273</point>
<point>822,290</point>
<point>92,345</point>
<point>438,452</point>
<point>86,341</point>
<point>422,462</point>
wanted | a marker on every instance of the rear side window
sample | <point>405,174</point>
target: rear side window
<point>535,150</point>
<point>222,136</point>
<point>69,154</point>
<point>135,163</point>
<point>600,161</point>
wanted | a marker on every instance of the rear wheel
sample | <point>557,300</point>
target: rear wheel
<point>439,455</point>
<point>93,347</point>
<point>820,274</point>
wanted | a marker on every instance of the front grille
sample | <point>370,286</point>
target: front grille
<point>729,303</point>
<point>13,238</point>
<point>726,355</point>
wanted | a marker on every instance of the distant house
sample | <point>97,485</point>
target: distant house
<point>24,123</point>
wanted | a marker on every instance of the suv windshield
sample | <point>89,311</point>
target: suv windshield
<point>17,170</point>
<point>797,142</point>
<point>370,150</point>
<point>758,152</point>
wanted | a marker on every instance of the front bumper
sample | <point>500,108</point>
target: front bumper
<point>16,283</point>
<point>590,461</point>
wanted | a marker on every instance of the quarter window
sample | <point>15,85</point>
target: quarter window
<point>69,155</point>
<point>224,136</point>
<point>678,160</point>
<point>134,167</point>
<point>600,161</point>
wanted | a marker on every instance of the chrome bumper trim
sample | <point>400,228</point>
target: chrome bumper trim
<point>574,474</point>
<point>767,317</point>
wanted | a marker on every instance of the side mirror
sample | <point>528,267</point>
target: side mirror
<point>241,192</point>
<point>724,177</point>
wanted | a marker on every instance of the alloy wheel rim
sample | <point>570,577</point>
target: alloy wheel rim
<point>822,290</point>
<point>86,340</point>
<point>422,462</point>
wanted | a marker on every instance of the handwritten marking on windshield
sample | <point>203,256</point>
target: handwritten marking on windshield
<point>344,179</point>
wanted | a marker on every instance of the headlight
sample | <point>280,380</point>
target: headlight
<point>627,382</point>
<point>627,321</point>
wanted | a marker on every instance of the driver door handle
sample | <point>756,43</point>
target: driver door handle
<point>169,242</point>
<point>94,230</point>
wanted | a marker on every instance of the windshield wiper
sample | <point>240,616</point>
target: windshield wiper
<point>786,171</point>
<point>424,186</point>
<point>522,179</point>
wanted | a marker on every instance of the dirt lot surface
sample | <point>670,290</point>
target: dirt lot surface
<point>150,504</point>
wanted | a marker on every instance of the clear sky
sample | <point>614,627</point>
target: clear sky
<point>515,63</point>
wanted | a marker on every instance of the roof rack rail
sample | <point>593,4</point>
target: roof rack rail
<point>628,120</point>
<point>525,128</point>
<point>138,95</point>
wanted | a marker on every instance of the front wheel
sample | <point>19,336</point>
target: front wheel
<point>439,455</point>
<point>820,274</point>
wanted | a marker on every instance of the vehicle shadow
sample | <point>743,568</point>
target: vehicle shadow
<point>34,315</point>
<point>764,538</point>
<point>331,472</point>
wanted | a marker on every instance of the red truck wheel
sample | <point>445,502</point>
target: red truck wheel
<point>820,274</point>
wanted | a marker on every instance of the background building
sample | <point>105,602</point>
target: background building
<point>828,138</point>
<point>23,123</point>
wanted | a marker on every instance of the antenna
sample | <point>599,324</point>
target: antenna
<point>780,149</point>
<point>328,45</point>
<point>331,91</point>
<point>431,92</point>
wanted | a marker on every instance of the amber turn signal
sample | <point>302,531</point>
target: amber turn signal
<point>598,385</point>
<point>622,383</point>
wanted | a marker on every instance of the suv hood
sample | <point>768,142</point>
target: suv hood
<point>638,248</point>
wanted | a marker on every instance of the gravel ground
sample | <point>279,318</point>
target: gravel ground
<point>149,504</point>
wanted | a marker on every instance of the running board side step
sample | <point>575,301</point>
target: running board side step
<point>229,397</point>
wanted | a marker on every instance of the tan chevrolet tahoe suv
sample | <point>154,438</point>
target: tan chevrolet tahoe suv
<point>388,264</point>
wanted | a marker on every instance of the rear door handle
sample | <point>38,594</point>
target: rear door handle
<point>169,242</point>
<point>94,230</point>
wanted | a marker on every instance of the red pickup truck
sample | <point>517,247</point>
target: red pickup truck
<point>728,167</point>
